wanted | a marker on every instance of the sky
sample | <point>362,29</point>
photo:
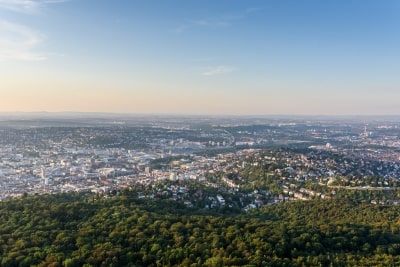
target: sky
<point>247,57</point>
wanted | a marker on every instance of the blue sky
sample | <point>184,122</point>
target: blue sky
<point>200,57</point>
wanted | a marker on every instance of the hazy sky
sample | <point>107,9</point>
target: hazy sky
<point>201,57</point>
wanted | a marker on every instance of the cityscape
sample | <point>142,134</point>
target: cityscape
<point>212,133</point>
<point>183,158</point>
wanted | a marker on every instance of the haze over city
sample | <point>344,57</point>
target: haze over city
<point>200,57</point>
<point>193,133</point>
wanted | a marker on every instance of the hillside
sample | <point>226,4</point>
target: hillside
<point>82,229</point>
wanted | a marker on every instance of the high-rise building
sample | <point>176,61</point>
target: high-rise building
<point>44,177</point>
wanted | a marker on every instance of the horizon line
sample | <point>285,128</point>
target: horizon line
<point>192,114</point>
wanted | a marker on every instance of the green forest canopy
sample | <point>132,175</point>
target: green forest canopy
<point>86,230</point>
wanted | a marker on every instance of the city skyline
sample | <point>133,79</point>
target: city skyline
<point>208,57</point>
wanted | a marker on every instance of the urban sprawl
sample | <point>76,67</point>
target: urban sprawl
<point>208,163</point>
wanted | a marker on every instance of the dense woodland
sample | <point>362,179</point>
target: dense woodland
<point>89,230</point>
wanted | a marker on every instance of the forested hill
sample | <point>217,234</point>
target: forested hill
<point>85,230</point>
